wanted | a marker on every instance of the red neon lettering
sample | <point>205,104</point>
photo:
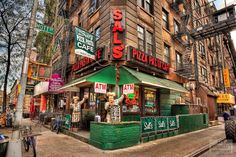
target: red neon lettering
<point>115,38</point>
<point>117,27</point>
<point>117,51</point>
<point>117,15</point>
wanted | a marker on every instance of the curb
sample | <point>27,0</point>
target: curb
<point>204,149</point>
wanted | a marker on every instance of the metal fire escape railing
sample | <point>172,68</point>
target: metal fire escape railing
<point>74,6</point>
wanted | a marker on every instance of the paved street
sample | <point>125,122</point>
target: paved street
<point>58,145</point>
<point>223,149</point>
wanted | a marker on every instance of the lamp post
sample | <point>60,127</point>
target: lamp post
<point>190,86</point>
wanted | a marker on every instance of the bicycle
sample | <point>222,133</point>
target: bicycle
<point>28,139</point>
<point>56,123</point>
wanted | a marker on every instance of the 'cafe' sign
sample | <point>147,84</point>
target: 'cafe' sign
<point>117,30</point>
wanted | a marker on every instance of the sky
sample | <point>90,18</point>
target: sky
<point>221,4</point>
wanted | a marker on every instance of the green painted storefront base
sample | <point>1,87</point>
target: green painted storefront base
<point>151,137</point>
<point>189,123</point>
<point>108,136</point>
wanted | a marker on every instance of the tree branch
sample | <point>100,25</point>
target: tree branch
<point>3,19</point>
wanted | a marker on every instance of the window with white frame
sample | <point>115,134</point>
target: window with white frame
<point>176,27</point>
<point>204,73</point>
<point>179,61</point>
<point>140,38</point>
<point>145,40</point>
<point>165,19</point>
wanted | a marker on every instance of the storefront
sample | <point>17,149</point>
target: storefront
<point>143,100</point>
<point>224,102</point>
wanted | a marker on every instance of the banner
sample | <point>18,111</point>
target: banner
<point>55,82</point>
<point>226,78</point>
<point>84,43</point>
<point>148,124</point>
<point>158,124</point>
<point>128,88</point>
<point>100,87</point>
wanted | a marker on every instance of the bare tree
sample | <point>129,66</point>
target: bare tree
<point>14,21</point>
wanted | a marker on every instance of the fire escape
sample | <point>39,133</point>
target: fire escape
<point>222,23</point>
<point>66,11</point>
<point>182,36</point>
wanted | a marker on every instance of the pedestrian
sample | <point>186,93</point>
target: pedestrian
<point>61,104</point>
<point>64,104</point>
<point>226,115</point>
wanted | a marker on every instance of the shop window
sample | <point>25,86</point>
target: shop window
<point>147,5</point>
<point>179,61</point>
<point>92,99</point>
<point>150,101</point>
<point>131,101</point>
<point>165,19</point>
<point>166,53</point>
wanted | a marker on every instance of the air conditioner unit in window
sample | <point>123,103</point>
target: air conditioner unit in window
<point>91,10</point>
<point>198,101</point>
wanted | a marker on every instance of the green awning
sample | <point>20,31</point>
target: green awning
<point>155,81</point>
<point>108,75</point>
<point>127,76</point>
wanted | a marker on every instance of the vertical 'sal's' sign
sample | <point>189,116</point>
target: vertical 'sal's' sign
<point>118,34</point>
<point>84,43</point>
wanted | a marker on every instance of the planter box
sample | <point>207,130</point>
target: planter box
<point>108,136</point>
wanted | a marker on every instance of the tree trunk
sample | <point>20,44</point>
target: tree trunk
<point>7,73</point>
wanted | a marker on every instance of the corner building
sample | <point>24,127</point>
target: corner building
<point>129,50</point>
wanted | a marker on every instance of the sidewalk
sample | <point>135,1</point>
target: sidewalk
<point>53,145</point>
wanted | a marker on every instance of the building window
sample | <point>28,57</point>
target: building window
<point>79,19</point>
<point>197,7</point>
<point>94,5</point>
<point>179,60</point>
<point>204,73</point>
<point>149,45</point>
<point>147,5</point>
<point>202,50</point>
<point>140,38</point>
<point>98,33</point>
<point>165,17</point>
<point>176,27</point>
<point>145,40</point>
<point>166,53</point>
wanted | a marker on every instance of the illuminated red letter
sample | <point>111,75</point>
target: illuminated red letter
<point>115,38</point>
<point>117,15</point>
<point>117,51</point>
<point>117,27</point>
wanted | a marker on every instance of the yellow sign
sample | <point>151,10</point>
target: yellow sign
<point>225,99</point>
<point>226,77</point>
